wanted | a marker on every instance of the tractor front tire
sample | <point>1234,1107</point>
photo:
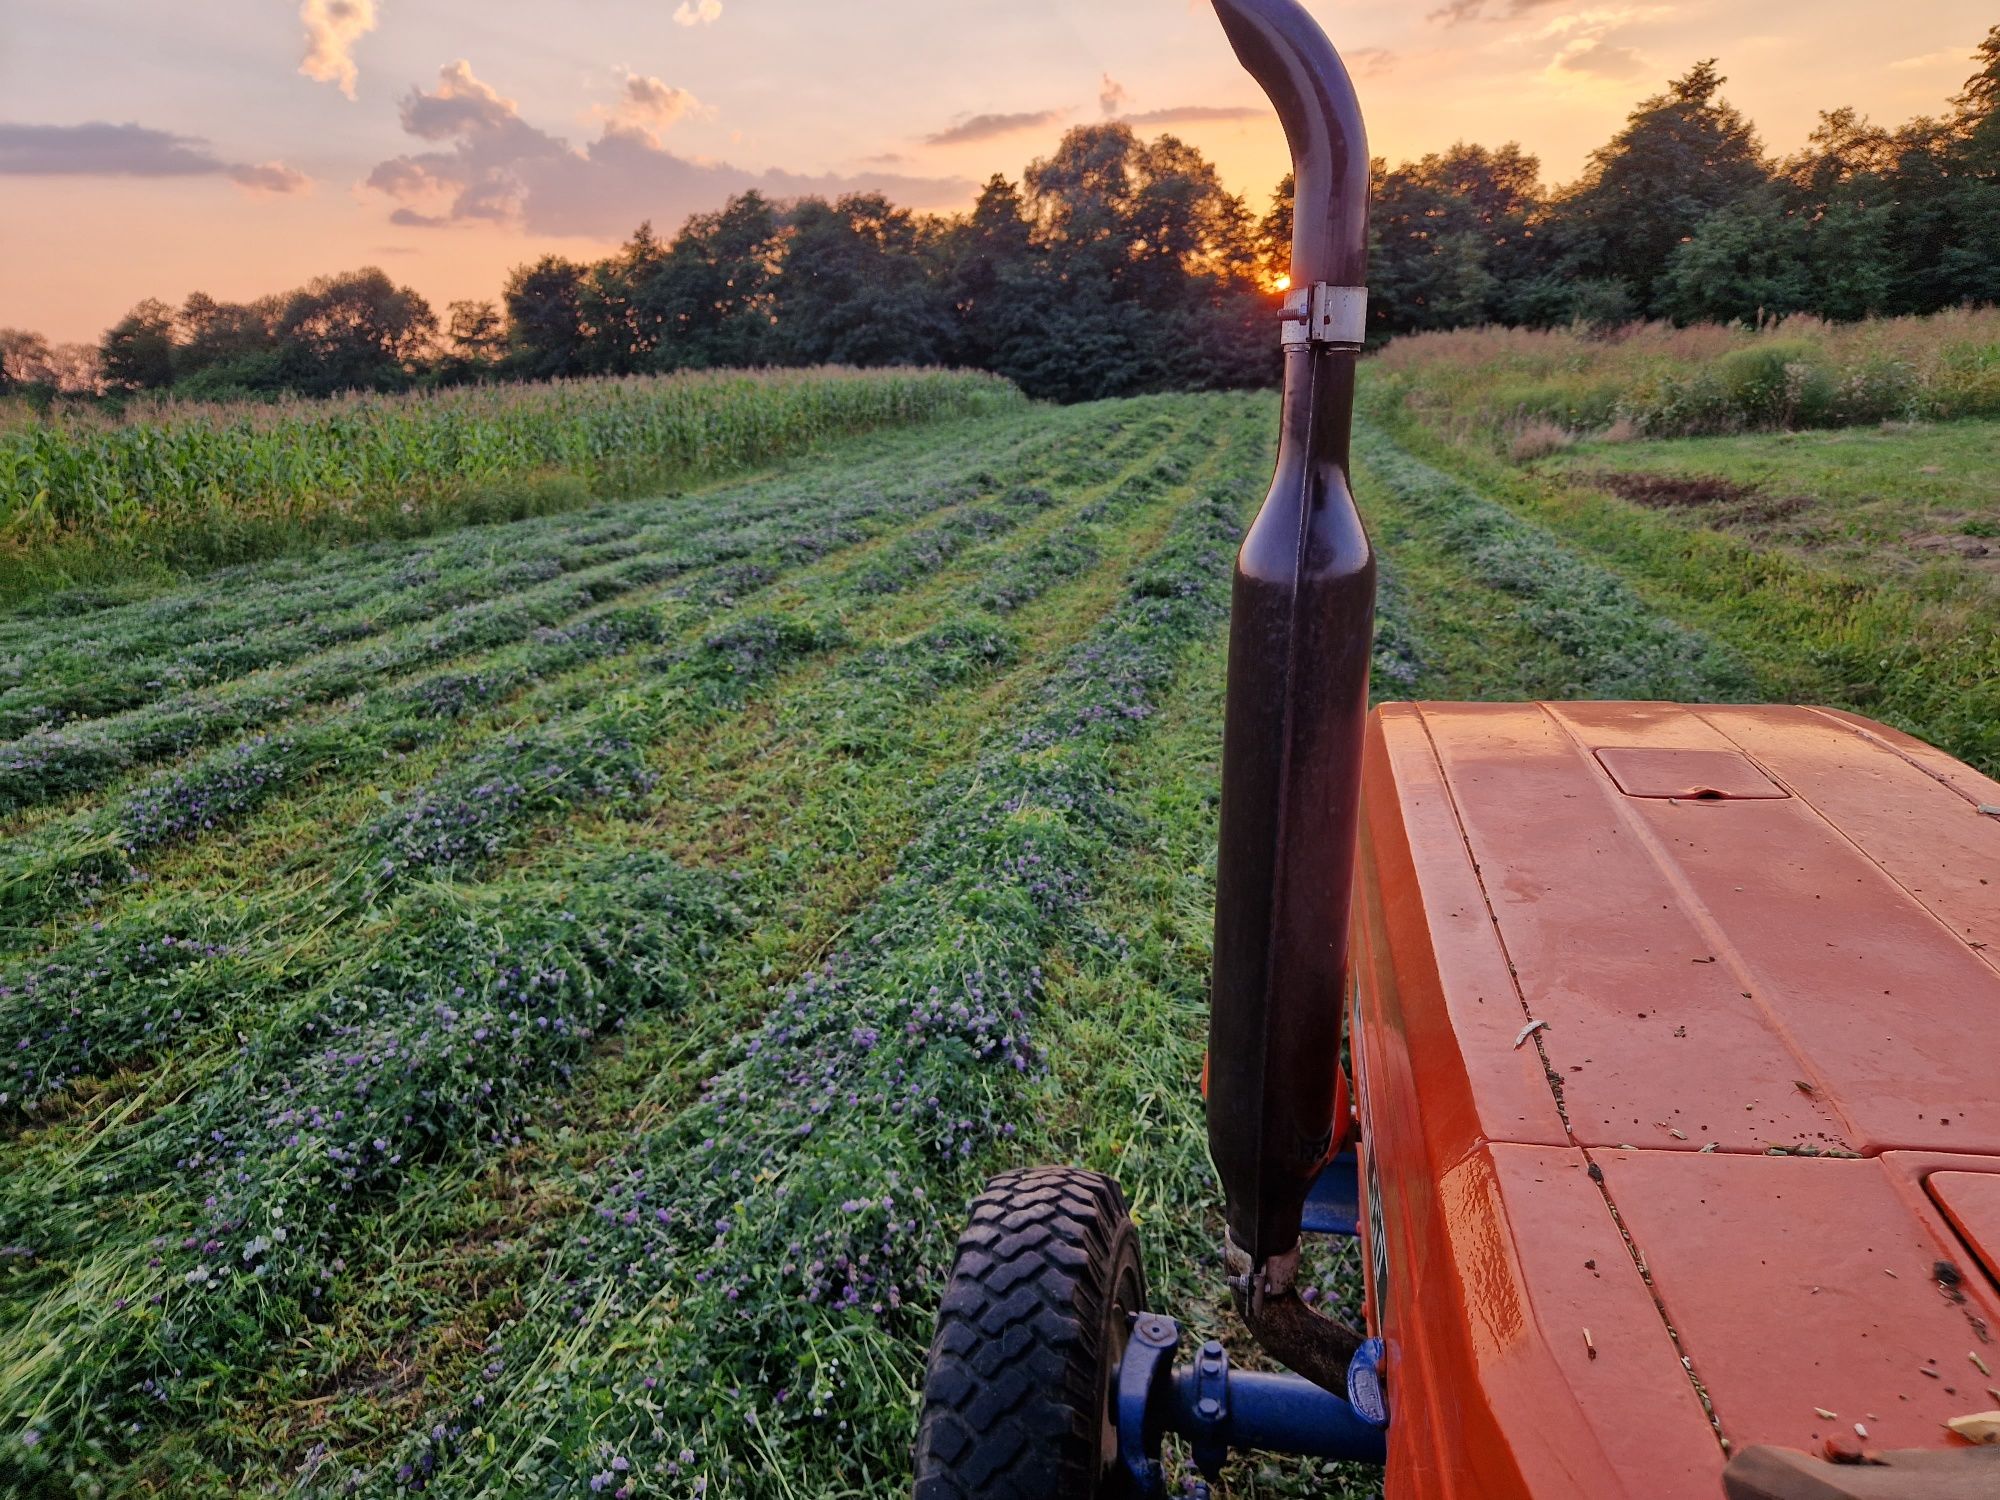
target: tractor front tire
<point>1018,1399</point>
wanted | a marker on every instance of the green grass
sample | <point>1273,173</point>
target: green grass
<point>1895,500</point>
<point>1922,652</point>
<point>506,1011</point>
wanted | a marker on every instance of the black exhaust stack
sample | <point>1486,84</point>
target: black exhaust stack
<point>1301,638</point>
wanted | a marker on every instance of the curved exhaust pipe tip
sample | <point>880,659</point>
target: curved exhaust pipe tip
<point>1301,639</point>
<point>1284,49</point>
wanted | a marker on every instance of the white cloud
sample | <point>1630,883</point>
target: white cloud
<point>698,12</point>
<point>332,29</point>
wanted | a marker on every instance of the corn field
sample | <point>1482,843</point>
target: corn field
<point>187,485</point>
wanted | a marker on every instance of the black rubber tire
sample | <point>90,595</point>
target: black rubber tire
<point>1017,1397</point>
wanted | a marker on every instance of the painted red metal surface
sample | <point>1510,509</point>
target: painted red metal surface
<point>1971,1201</point>
<point>1590,1009</point>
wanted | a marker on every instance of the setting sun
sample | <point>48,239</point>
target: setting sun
<point>1281,283</point>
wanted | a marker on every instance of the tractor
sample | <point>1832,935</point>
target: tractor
<point>1652,1053</point>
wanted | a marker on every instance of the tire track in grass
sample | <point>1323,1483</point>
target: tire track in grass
<point>760,1259</point>
<point>922,660</point>
<point>469,812</point>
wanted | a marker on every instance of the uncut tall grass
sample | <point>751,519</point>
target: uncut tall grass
<point>177,486</point>
<point>1655,380</point>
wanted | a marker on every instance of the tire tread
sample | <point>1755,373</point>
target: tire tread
<point>1011,1394</point>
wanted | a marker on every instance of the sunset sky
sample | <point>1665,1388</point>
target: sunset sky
<point>242,146</point>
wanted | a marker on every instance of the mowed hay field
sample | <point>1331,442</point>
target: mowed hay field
<point>520,1012</point>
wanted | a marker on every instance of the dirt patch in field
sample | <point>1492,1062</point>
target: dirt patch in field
<point>1981,551</point>
<point>1672,491</point>
<point>1740,507</point>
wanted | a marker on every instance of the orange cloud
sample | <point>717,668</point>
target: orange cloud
<point>647,107</point>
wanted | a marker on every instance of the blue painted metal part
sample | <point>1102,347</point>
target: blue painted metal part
<point>1145,1376</point>
<point>1220,1410</point>
<point>1364,1385</point>
<point>1289,1414</point>
<point>1334,1204</point>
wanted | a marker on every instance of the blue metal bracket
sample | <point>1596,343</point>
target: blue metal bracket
<point>1364,1385</point>
<point>1334,1204</point>
<point>1144,1377</point>
<point>1220,1410</point>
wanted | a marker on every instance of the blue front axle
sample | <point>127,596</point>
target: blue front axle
<point>1220,1410</point>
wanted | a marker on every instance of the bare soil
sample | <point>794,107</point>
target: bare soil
<point>1743,507</point>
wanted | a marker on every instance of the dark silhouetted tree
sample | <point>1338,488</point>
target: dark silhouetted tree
<point>1274,234</point>
<point>476,330</point>
<point>618,307</point>
<point>988,253</point>
<point>546,333</point>
<point>1452,235</point>
<point>137,352</point>
<point>225,348</point>
<point>356,331</point>
<point>1682,156</point>
<point>857,287</point>
<point>1745,264</point>
<point>714,298</point>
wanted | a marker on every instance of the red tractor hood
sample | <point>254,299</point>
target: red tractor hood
<point>1678,1042</point>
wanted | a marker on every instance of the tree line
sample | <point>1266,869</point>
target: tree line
<point>1118,265</point>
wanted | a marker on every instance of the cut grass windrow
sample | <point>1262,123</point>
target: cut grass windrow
<point>100,671</point>
<point>767,1259</point>
<point>470,811</point>
<point>69,860</point>
<point>902,670</point>
<point>732,523</point>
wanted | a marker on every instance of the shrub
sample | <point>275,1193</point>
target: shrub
<point>1654,380</point>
